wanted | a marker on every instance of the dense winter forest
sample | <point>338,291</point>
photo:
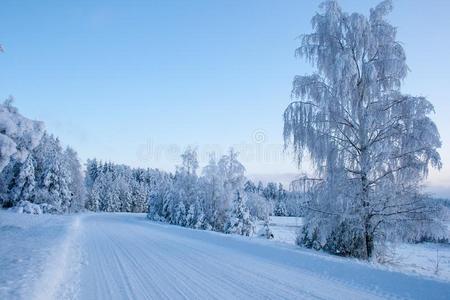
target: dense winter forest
<point>370,145</point>
<point>42,176</point>
<point>37,173</point>
<point>220,199</point>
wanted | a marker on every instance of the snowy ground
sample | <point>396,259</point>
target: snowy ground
<point>35,256</point>
<point>125,256</point>
<point>427,259</point>
<point>284,229</point>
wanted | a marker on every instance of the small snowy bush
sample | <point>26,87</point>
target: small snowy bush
<point>265,231</point>
<point>26,207</point>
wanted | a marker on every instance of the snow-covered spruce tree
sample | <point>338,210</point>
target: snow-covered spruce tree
<point>139,192</point>
<point>157,198</point>
<point>270,192</point>
<point>180,214</point>
<point>190,216</point>
<point>200,222</point>
<point>93,200</point>
<point>125,194</point>
<point>23,184</point>
<point>18,135</point>
<point>371,143</point>
<point>91,173</point>
<point>52,175</point>
<point>250,187</point>
<point>240,221</point>
<point>280,208</point>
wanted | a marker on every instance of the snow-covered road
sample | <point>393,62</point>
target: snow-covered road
<point>131,258</point>
<point>125,256</point>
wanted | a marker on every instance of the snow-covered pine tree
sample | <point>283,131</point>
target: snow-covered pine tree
<point>240,221</point>
<point>52,175</point>
<point>157,199</point>
<point>250,187</point>
<point>180,214</point>
<point>125,193</point>
<point>91,173</point>
<point>280,209</point>
<point>371,143</point>
<point>200,222</point>
<point>191,218</point>
<point>260,188</point>
<point>270,192</point>
<point>18,135</point>
<point>94,199</point>
<point>24,183</point>
<point>139,196</point>
<point>280,202</point>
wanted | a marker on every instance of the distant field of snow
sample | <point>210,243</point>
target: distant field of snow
<point>427,259</point>
<point>125,256</point>
<point>284,229</point>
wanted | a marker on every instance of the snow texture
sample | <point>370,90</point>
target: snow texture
<point>124,256</point>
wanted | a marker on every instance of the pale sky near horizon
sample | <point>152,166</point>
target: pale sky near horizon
<point>135,82</point>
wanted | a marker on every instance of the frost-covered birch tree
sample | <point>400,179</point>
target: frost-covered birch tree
<point>371,143</point>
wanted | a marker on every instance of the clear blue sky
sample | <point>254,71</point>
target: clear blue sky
<point>136,81</point>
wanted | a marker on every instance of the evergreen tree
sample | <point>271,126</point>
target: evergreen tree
<point>52,175</point>
<point>25,183</point>
<point>240,221</point>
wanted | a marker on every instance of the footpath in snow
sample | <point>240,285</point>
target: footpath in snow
<point>125,256</point>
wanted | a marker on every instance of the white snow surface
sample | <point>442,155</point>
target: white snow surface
<point>429,259</point>
<point>125,256</point>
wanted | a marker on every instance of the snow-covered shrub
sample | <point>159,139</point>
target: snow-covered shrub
<point>347,239</point>
<point>309,237</point>
<point>48,209</point>
<point>27,207</point>
<point>265,231</point>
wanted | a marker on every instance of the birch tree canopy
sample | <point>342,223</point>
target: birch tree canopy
<point>351,118</point>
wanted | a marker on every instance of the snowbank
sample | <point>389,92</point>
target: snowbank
<point>31,247</point>
<point>26,207</point>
